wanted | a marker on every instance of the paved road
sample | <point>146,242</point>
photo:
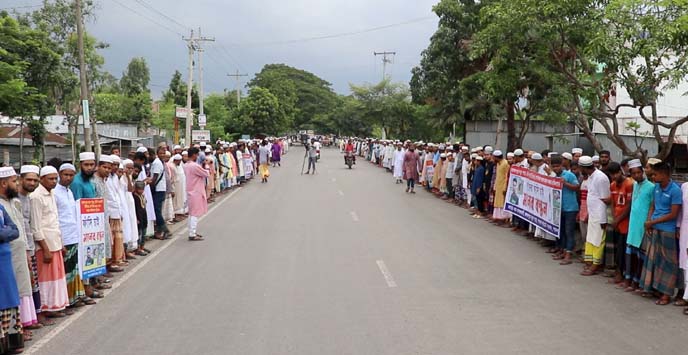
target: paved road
<point>344,262</point>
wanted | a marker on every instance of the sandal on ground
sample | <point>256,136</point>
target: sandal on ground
<point>140,253</point>
<point>115,268</point>
<point>589,272</point>
<point>58,314</point>
<point>681,303</point>
<point>95,294</point>
<point>88,301</point>
<point>566,262</point>
<point>68,311</point>
<point>47,322</point>
<point>78,304</point>
<point>103,287</point>
<point>34,326</point>
<point>663,301</point>
<point>196,238</point>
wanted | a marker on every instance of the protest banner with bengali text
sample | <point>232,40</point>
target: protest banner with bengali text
<point>90,214</point>
<point>536,198</point>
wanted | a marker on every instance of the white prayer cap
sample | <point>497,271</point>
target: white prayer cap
<point>585,161</point>
<point>202,144</point>
<point>595,158</point>
<point>177,157</point>
<point>167,153</point>
<point>653,161</point>
<point>473,156</point>
<point>518,152</point>
<point>25,169</point>
<point>478,158</point>
<point>567,156</point>
<point>464,148</point>
<point>208,150</point>
<point>536,156</point>
<point>87,156</point>
<point>177,147</point>
<point>635,163</point>
<point>577,151</point>
<point>126,162</point>
<point>185,153</point>
<point>8,171</point>
<point>489,150</point>
<point>509,155</point>
<point>450,148</point>
<point>105,159</point>
<point>551,154</point>
<point>67,166</point>
<point>141,149</point>
<point>478,149</point>
<point>443,155</point>
<point>115,159</point>
<point>497,153</point>
<point>442,146</point>
<point>120,166</point>
<point>47,170</point>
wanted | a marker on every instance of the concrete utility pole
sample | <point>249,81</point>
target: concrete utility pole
<point>385,61</point>
<point>193,43</point>
<point>82,71</point>
<point>237,76</point>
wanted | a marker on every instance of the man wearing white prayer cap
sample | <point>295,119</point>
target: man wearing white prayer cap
<point>141,150</point>
<point>48,237</point>
<point>499,215</point>
<point>643,194</point>
<point>15,255</point>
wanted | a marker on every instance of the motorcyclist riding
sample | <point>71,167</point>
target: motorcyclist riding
<point>349,149</point>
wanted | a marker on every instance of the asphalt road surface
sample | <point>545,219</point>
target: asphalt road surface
<point>344,262</point>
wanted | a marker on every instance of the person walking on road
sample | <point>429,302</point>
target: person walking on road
<point>312,156</point>
<point>196,193</point>
<point>264,161</point>
<point>411,168</point>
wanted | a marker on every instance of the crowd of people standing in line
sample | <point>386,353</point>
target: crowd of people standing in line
<point>620,219</point>
<point>143,194</point>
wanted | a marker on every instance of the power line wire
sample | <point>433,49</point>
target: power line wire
<point>148,18</point>
<point>21,7</point>
<point>151,8</point>
<point>338,35</point>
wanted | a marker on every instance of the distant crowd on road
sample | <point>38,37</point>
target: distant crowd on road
<point>620,219</point>
<point>143,193</point>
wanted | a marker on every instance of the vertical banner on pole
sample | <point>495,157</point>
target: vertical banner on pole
<point>90,214</point>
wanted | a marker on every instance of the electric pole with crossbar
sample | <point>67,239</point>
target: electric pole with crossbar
<point>193,42</point>
<point>385,61</point>
<point>237,76</point>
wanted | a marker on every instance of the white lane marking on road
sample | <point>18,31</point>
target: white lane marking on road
<point>387,275</point>
<point>35,347</point>
<point>354,216</point>
<point>340,192</point>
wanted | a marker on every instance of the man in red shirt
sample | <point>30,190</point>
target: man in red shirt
<point>349,148</point>
<point>621,195</point>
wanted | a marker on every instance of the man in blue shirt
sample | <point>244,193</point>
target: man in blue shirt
<point>569,211</point>
<point>82,186</point>
<point>660,271</point>
<point>478,188</point>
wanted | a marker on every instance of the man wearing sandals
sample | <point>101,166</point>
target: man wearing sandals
<point>196,193</point>
<point>46,232</point>
<point>660,271</point>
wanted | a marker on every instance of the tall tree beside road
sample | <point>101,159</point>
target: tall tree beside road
<point>135,78</point>
<point>446,61</point>
<point>260,114</point>
<point>303,96</point>
<point>592,47</point>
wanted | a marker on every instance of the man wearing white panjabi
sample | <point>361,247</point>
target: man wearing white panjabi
<point>398,163</point>
<point>179,188</point>
<point>130,227</point>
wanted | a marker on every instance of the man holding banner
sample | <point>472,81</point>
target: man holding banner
<point>569,211</point>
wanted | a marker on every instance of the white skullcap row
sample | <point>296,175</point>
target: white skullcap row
<point>177,157</point>
<point>106,159</point>
<point>567,156</point>
<point>635,163</point>
<point>47,170</point>
<point>177,147</point>
<point>585,161</point>
<point>7,171</point>
<point>85,156</point>
<point>67,166</point>
<point>141,149</point>
<point>518,152</point>
<point>25,169</point>
<point>577,151</point>
<point>536,156</point>
<point>489,150</point>
<point>126,162</point>
<point>509,155</point>
<point>497,153</point>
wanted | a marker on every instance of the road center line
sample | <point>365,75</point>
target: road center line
<point>387,275</point>
<point>354,216</point>
<point>181,235</point>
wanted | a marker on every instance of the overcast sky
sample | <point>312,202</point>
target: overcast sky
<point>246,32</point>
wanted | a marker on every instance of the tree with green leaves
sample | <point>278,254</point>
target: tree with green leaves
<point>303,96</point>
<point>260,113</point>
<point>135,78</point>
